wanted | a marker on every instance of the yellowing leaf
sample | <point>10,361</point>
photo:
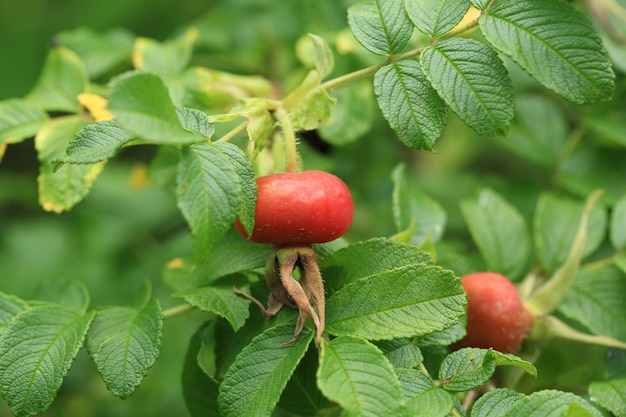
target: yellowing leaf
<point>96,105</point>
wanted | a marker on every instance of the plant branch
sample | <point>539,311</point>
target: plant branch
<point>233,132</point>
<point>177,310</point>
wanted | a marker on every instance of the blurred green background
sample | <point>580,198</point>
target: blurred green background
<point>127,230</point>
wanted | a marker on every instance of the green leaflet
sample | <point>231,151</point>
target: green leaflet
<point>166,59</point>
<point>551,402</point>
<point>617,231</point>
<point>610,395</point>
<point>412,206</point>
<point>406,301</point>
<point>10,307</point>
<point>61,189</point>
<point>495,403</point>
<point>62,79</point>
<point>19,120</point>
<point>354,373</point>
<point>402,353</point>
<point>208,194</point>
<point>220,300</point>
<point>255,380</point>
<point>500,232</point>
<point>199,389</point>
<point>436,17</point>
<point>36,352</point>
<point>141,104</point>
<point>101,51</point>
<point>410,104</point>
<point>124,343</point>
<point>467,368</point>
<point>382,27</point>
<point>555,44</point>
<point>473,81</point>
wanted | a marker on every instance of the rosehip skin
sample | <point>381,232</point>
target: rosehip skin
<point>300,208</point>
<point>496,317</point>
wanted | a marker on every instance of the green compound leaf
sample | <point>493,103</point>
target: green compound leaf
<point>495,403</point>
<point>101,51</point>
<point>473,81</point>
<point>10,306</point>
<point>618,224</point>
<point>248,195</point>
<point>436,17</point>
<point>124,343</point>
<point>408,101</point>
<point>412,207</point>
<point>166,59</point>
<point>610,395</point>
<point>382,27</point>
<point>208,191</point>
<point>555,226</point>
<point>551,403</point>
<point>61,189</point>
<point>500,233</point>
<point>406,301</point>
<point>141,104</point>
<point>253,383</point>
<point>366,258</point>
<point>62,79</point>
<point>221,301</point>
<point>553,42</point>
<point>199,389</point>
<point>36,352</point>
<point>19,120</point>
<point>354,373</point>
<point>596,300</point>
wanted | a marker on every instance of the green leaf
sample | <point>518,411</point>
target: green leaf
<point>320,54</point>
<point>553,42</point>
<point>94,143</point>
<point>538,131</point>
<point>402,353</point>
<point>618,224</point>
<point>436,17</point>
<point>19,120</point>
<point>500,233</point>
<point>409,103</point>
<point>619,260</point>
<point>555,226</point>
<point>503,359</point>
<point>549,402</point>
<point>124,343</point>
<point>444,337</point>
<point>254,382</point>
<point>61,189</point>
<point>610,395</point>
<point>220,300</point>
<point>413,381</point>
<point>199,389</point>
<point>207,192</point>
<point>166,59</point>
<point>495,403</point>
<point>312,110</point>
<point>406,301</point>
<point>410,205</point>
<point>473,81</point>
<point>68,293</point>
<point>434,402</point>
<point>370,257</point>
<point>480,4</point>
<point>382,27</point>
<point>353,114</point>
<point>62,79</point>
<point>596,300</point>
<point>467,368</point>
<point>10,306</point>
<point>248,195</point>
<point>101,51</point>
<point>195,121</point>
<point>36,352</point>
<point>141,104</point>
<point>355,374</point>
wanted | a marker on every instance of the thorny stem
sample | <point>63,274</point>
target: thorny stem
<point>290,139</point>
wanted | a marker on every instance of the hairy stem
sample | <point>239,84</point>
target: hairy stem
<point>290,139</point>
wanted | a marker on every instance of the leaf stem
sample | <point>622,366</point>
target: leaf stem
<point>233,132</point>
<point>175,311</point>
<point>290,139</point>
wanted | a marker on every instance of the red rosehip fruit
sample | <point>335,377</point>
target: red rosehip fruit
<point>496,316</point>
<point>300,208</point>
